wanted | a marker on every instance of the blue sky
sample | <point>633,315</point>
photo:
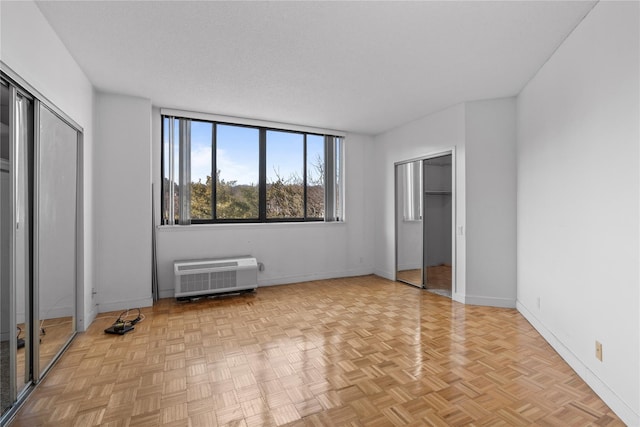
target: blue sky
<point>238,152</point>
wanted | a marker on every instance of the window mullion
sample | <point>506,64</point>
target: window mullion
<point>262,185</point>
<point>304,178</point>
<point>214,170</point>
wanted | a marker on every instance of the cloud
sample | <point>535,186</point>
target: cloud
<point>232,170</point>
<point>200,163</point>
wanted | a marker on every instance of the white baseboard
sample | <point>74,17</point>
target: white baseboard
<point>287,280</point>
<point>56,312</point>
<point>617,405</point>
<point>385,274</point>
<point>124,305</point>
<point>89,318</point>
<point>409,267</point>
<point>458,298</point>
<point>166,293</point>
<point>486,301</point>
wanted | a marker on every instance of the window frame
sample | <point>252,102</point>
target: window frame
<point>334,139</point>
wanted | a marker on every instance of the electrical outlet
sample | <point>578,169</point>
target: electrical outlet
<point>599,350</point>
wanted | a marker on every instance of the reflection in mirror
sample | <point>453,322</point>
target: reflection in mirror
<point>56,234</point>
<point>409,223</point>
<point>15,157</point>
<point>23,122</point>
<point>5,248</point>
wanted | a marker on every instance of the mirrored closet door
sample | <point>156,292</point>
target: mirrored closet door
<point>55,227</point>
<point>409,241</point>
<point>39,223</point>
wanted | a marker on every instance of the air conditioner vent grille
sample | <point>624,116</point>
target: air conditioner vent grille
<point>189,267</point>
<point>194,278</point>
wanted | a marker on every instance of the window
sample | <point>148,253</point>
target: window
<point>216,172</point>
<point>237,173</point>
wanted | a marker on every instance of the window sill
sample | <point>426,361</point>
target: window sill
<point>248,226</point>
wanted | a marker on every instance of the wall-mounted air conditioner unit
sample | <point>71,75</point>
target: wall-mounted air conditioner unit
<point>214,276</point>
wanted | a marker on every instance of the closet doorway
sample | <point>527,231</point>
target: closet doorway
<point>425,222</point>
<point>438,224</point>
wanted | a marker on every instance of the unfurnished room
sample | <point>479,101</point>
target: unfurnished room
<point>320,213</point>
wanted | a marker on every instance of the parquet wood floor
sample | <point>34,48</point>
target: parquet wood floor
<point>438,276</point>
<point>57,333</point>
<point>361,351</point>
<point>413,276</point>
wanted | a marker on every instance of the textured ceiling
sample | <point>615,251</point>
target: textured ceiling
<point>354,66</point>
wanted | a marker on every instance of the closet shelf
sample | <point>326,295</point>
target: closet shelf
<point>436,192</point>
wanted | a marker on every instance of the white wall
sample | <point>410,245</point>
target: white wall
<point>578,196</point>
<point>122,181</point>
<point>491,202</point>
<point>290,252</point>
<point>30,47</point>
<point>429,135</point>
